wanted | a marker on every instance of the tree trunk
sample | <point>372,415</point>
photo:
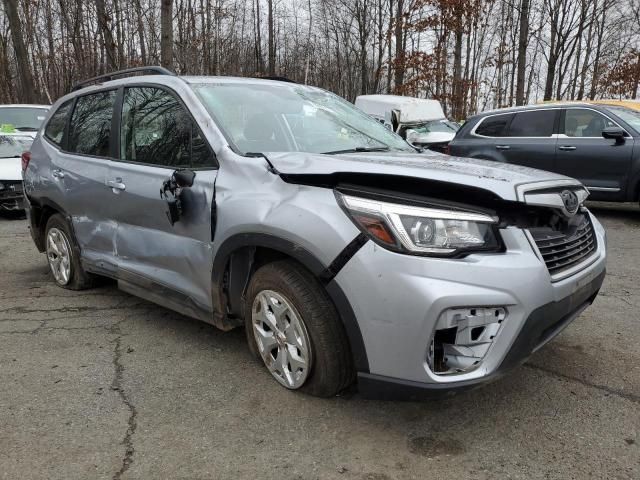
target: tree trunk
<point>456,107</point>
<point>107,36</point>
<point>399,34</point>
<point>272,42</point>
<point>523,43</point>
<point>26,86</point>
<point>166,34</point>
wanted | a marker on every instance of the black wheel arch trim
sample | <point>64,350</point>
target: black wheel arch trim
<point>37,226</point>
<point>247,243</point>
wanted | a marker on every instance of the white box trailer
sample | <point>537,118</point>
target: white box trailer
<point>420,121</point>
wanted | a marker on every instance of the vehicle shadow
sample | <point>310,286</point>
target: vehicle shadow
<point>12,215</point>
<point>616,211</point>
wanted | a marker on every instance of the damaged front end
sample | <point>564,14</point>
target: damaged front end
<point>11,196</point>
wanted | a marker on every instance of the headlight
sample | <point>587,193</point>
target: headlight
<point>422,230</point>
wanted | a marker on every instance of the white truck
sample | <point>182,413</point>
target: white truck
<point>420,121</point>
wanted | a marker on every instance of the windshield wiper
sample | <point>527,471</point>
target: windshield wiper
<point>358,150</point>
<point>26,129</point>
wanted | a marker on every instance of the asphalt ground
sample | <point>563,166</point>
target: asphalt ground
<point>100,384</point>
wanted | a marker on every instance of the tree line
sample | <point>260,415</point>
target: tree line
<point>469,54</point>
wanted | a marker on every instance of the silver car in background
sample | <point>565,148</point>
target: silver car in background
<point>346,255</point>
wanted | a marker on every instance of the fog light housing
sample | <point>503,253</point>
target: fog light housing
<point>462,338</point>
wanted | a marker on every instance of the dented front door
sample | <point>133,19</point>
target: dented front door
<point>168,260</point>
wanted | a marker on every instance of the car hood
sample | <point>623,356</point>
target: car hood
<point>10,169</point>
<point>500,178</point>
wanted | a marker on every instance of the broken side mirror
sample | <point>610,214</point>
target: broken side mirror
<point>184,178</point>
<point>172,189</point>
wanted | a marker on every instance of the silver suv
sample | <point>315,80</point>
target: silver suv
<point>345,254</point>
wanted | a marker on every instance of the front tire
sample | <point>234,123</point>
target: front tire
<point>63,255</point>
<point>294,328</point>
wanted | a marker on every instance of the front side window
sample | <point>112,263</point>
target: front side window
<point>90,128</point>
<point>494,126</point>
<point>284,117</point>
<point>536,123</point>
<point>57,123</point>
<point>582,122</point>
<point>156,129</point>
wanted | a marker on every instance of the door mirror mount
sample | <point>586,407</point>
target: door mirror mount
<point>614,133</point>
<point>172,189</point>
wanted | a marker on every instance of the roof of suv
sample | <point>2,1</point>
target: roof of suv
<point>541,106</point>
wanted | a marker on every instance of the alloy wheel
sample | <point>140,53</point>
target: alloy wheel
<point>282,338</point>
<point>59,255</point>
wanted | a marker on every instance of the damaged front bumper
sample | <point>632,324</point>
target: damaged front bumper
<point>504,307</point>
<point>11,196</point>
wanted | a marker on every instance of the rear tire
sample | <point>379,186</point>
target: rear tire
<point>294,329</point>
<point>63,255</point>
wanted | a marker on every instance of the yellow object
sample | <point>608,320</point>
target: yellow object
<point>632,104</point>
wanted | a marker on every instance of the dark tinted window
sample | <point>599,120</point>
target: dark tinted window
<point>57,123</point>
<point>157,129</point>
<point>91,124</point>
<point>537,123</point>
<point>495,126</point>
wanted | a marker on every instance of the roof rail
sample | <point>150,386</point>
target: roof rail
<point>152,70</point>
<point>276,78</point>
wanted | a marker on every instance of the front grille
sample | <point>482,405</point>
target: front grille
<point>563,249</point>
<point>11,189</point>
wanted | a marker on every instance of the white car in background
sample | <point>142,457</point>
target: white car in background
<point>12,145</point>
<point>24,118</point>
<point>420,121</point>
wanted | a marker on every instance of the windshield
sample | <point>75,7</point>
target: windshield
<point>285,117</point>
<point>23,118</point>
<point>13,145</point>
<point>436,126</point>
<point>632,117</point>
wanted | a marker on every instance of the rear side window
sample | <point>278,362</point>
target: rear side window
<point>156,129</point>
<point>57,123</point>
<point>494,126</point>
<point>537,123</point>
<point>90,129</point>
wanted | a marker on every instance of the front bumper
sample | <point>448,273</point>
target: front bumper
<point>11,197</point>
<point>398,307</point>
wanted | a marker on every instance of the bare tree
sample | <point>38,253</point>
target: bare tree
<point>166,29</point>
<point>26,85</point>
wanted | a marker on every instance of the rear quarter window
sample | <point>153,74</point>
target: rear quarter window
<point>54,131</point>
<point>494,126</point>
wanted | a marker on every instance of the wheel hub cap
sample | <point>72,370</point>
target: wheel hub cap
<point>282,339</point>
<point>59,256</point>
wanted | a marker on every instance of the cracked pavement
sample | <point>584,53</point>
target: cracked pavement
<point>100,384</point>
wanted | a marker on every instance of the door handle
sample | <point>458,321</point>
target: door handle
<point>566,148</point>
<point>116,184</point>
<point>57,173</point>
<point>503,147</point>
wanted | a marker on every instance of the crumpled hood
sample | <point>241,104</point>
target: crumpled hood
<point>10,169</point>
<point>499,178</point>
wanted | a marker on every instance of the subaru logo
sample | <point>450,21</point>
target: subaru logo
<point>570,201</point>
